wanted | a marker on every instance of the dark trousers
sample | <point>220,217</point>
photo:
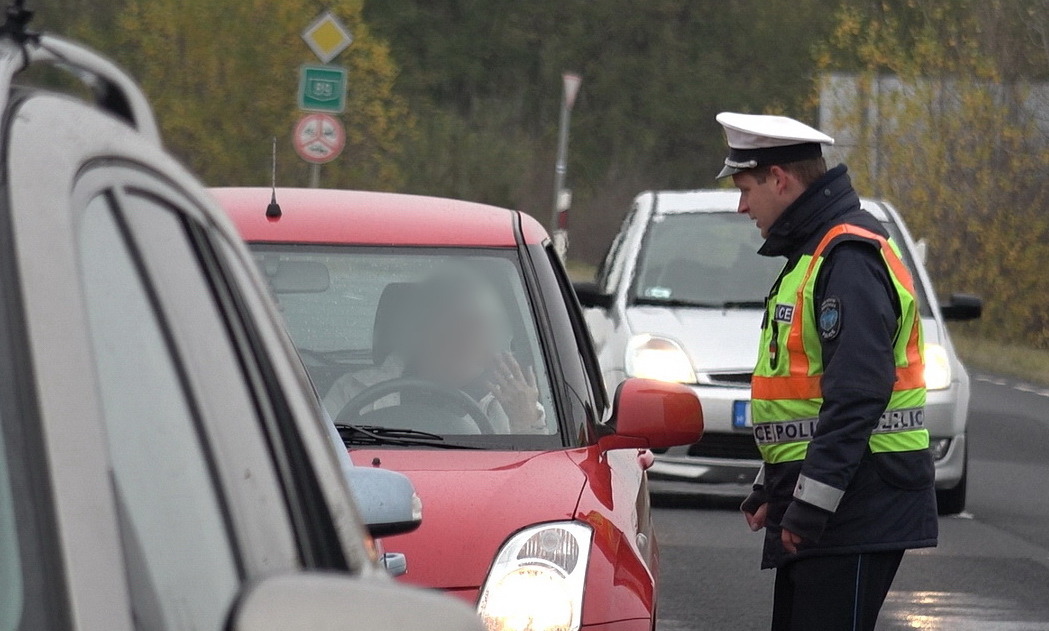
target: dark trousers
<point>833,593</point>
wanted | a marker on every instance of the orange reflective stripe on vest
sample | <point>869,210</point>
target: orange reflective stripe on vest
<point>800,384</point>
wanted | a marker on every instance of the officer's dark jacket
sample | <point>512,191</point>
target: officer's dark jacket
<point>889,502</point>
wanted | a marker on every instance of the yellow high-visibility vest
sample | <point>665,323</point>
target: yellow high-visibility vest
<point>785,391</point>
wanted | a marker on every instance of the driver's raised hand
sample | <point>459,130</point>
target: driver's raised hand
<point>517,393</point>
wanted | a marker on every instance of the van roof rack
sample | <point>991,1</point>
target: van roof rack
<point>114,90</point>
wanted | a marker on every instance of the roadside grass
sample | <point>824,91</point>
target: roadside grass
<point>1007,360</point>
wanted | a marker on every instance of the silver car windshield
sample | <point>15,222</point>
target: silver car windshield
<point>704,259</point>
<point>406,342</point>
<point>709,259</point>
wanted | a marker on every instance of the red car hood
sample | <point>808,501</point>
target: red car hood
<point>472,501</point>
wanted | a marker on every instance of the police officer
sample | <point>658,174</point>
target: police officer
<point>838,390</point>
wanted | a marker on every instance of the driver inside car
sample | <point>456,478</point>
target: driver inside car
<point>451,330</point>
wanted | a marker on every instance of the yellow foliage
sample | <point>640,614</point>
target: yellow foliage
<point>222,76</point>
<point>960,154</point>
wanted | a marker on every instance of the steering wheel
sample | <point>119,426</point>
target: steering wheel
<point>460,399</point>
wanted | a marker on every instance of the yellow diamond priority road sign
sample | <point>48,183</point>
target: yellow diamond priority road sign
<point>327,36</point>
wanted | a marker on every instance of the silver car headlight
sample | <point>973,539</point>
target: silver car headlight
<point>536,581</point>
<point>654,357</point>
<point>937,367</point>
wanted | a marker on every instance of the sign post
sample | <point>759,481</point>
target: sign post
<point>562,198</point>
<point>319,137</point>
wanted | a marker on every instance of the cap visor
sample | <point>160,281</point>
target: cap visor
<point>727,171</point>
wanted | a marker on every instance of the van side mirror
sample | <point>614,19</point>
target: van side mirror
<point>654,414</point>
<point>962,307</point>
<point>319,600</point>
<point>386,501</point>
<point>590,296</point>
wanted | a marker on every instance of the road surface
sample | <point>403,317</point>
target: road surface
<point>990,572</point>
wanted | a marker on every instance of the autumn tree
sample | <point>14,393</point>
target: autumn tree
<point>941,125</point>
<point>222,77</point>
<point>484,78</point>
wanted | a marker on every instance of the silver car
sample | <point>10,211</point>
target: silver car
<point>680,297</point>
<point>163,461</point>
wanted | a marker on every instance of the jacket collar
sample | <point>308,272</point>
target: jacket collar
<point>826,199</point>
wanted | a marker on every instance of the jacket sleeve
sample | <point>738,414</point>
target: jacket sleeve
<point>757,495</point>
<point>858,376</point>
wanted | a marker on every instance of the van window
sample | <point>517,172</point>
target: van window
<point>10,556</point>
<point>181,567</point>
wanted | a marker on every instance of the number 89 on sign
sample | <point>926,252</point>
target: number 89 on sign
<point>322,89</point>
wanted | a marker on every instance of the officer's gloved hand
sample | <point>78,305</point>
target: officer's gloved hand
<point>756,518</point>
<point>805,520</point>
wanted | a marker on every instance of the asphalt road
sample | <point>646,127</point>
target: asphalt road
<point>989,573</point>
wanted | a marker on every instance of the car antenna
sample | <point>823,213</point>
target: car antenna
<point>273,210</point>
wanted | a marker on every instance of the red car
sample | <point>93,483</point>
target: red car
<point>446,343</point>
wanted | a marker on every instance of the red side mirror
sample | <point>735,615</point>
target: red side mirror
<point>653,414</point>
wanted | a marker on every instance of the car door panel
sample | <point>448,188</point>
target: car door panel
<point>58,343</point>
<point>622,560</point>
<point>615,502</point>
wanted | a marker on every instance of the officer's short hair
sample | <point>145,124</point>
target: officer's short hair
<point>807,171</point>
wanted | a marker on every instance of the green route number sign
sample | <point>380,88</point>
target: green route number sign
<point>322,89</point>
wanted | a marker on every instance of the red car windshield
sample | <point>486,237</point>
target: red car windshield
<point>440,341</point>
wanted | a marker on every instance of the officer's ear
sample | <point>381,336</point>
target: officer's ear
<point>783,181</point>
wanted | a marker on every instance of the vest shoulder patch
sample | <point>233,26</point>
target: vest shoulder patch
<point>830,317</point>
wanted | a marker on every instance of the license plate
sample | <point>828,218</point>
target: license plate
<point>741,415</point>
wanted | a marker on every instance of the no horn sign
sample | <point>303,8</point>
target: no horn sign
<point>319,138</point>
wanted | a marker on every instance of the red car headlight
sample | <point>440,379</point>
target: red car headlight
<point>537,579</point>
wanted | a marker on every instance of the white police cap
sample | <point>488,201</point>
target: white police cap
<point>756,140</point>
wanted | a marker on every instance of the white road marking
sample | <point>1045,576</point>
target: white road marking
<point>992,380</point>
<point>1022,387</point>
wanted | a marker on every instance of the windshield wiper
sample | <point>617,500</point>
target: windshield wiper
<point>676,302</point>
<point>696,304</point>
<point>375,435</point>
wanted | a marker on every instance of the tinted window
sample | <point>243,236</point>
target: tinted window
<point>181,568</point>
<point>582,334</point>
<point>32,593</point>
<point>705,258</point>
<point>221,367</point>
<point>10,557</point>
<point>367,318</point>
<point>573,380</point>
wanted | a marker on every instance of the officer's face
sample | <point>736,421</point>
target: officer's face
<point>761,199</point>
